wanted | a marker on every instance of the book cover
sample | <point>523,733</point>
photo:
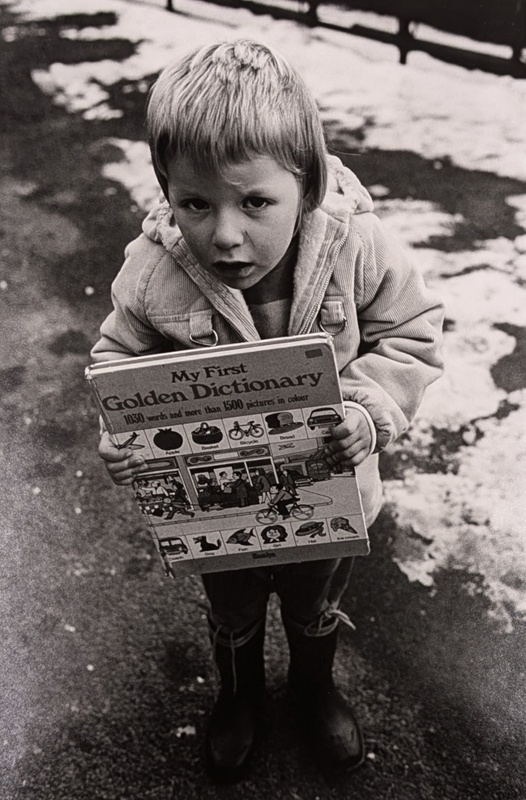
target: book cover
<point>233,440</point>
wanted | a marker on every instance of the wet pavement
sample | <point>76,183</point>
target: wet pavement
<point>105,669</point>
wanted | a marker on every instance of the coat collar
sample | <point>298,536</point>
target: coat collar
<point>322,235</point>
<point>321,238</point>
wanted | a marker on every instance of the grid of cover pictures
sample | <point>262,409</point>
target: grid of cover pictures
<point>249,482</point>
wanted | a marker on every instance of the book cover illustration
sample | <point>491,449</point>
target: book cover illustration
<point>233,442</point>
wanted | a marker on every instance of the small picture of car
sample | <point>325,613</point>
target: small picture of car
<point>299,478</point>
<point>321,417</point>
<point>173,547</point>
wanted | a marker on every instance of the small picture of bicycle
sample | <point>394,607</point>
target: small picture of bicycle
<point>246,430</point>
<point>272,513</point>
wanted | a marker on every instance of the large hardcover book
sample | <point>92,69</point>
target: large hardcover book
<point>233,440</point>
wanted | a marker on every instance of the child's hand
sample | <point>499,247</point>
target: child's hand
<point>122,465</point>
<point>351,441</point>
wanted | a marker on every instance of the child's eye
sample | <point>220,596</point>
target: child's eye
<point>255,203</point>
<point>195,204</point>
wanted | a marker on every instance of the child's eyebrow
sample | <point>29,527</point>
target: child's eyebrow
<point>188,191</point>
<point>257,189</point>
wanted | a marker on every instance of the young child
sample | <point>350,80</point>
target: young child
<point>262,234</point>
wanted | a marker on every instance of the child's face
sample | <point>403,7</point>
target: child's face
<point>237,223</point>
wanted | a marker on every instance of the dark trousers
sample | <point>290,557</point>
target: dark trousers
<point>309,593</point>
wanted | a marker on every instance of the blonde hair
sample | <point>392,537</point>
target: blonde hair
<point>226,102</point>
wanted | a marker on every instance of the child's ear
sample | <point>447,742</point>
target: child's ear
<point>160,174</point>
<point>162,179</point>
<point>299,218</point>
<point>310,201</point>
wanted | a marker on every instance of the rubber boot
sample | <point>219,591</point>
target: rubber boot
<point>326,717</point>
<point>234,723</point>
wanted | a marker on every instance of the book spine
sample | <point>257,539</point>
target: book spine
<point>92,383</point>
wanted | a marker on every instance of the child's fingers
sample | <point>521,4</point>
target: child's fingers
<point>353,449</point>
<point>109,451</point>
<point>125,478</point>
<point>356,458</point>
<point>122,472</point>
<point>336,445</point>
<point>358,449</point>
<point>354,421</point>
<point>341,431</point>
<point>350,441</point>
<point>122,465</point>
<point>128,465</point>
<point>113,455</point>
<point>128,468</point>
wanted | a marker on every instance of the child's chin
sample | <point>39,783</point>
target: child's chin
<point>240,282</point>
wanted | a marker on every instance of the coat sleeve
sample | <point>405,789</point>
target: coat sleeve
<point>400,324</point>
<point>126,332</point>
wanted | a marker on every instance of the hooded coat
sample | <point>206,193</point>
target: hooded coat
<point>351,280</point>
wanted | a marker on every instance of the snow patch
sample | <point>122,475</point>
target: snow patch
<point>473,117</point>
<point>134,171</point>
<point>471,520</point>
<point>414,221</point>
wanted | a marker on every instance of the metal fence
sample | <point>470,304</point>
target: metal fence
<point>496,22</point>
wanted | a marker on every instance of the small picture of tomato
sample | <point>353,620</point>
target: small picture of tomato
<point>167,439</point>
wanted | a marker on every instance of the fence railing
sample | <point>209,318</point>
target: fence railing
<point>496,22</point>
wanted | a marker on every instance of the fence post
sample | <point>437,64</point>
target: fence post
<point>312,13</point>
<point>404,39</point>
<point>517,67</point>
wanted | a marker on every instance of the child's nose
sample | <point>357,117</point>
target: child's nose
<point>228,231</point>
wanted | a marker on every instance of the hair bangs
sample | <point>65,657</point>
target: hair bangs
<point>226,103</point>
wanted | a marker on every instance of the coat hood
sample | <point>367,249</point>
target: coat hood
<point>345,194</point>
<point>345,197</point>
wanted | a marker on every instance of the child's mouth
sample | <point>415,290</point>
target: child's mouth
<point>238,268</point>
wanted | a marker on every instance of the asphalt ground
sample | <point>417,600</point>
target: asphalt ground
<point>106,675</point>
